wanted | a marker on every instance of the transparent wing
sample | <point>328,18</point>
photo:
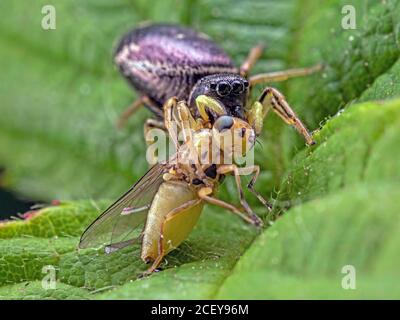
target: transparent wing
<point>116,225</point>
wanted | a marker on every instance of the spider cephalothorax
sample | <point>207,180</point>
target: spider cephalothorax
<point>230,90</point>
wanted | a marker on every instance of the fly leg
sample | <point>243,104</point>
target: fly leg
<point>283,75</point>
<point>250,186</point>
<point>224,169</point>
<point>272,98</point>
<point>205,194</point>
<point>162,242</point>
<point>129,111</point>
<point>251,59</point>
<point>135,105</point>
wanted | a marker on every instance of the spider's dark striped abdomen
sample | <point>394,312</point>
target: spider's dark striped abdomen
<point>161,61</point>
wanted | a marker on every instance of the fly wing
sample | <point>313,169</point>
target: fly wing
<point>116,225</point>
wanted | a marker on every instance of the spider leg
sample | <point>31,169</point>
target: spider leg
<point>272,99</point>
<point>283,75</point>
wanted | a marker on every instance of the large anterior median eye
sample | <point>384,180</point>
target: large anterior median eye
<point>223,123</point>
<point>237,87</point>
<point>223,88</point>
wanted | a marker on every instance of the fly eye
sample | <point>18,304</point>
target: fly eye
<point>223,123</point>
<point>237,87</point>
<point>246,83</point>
<point>223,88</point>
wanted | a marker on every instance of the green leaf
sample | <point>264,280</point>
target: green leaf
<point>335,202</point>
<point>66,219</point>
<point>34,290</point>
<point>354,61</point>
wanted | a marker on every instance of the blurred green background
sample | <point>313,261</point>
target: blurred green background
<point>60,97</point>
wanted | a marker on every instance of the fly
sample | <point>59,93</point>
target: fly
<point>153,200</point>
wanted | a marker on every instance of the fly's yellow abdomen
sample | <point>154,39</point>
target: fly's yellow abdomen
<point>173,214</point>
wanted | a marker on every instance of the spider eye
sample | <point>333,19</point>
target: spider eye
<point>223,123</point>
<point>237,87</point>
<point>246,83</point>
<point>223,88</point>
<point>213,85</point>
